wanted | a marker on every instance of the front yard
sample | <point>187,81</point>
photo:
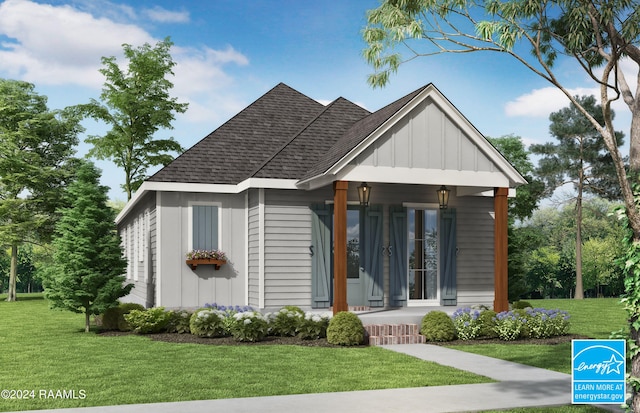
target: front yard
<point>45,350</point>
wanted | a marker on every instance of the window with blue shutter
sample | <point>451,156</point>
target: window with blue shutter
<point>205,227</point>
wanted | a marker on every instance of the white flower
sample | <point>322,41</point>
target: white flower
<point>247,321</point>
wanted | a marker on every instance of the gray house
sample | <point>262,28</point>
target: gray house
<point>281,189</point>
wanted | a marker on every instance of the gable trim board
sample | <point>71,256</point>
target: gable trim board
<point>263,218</point>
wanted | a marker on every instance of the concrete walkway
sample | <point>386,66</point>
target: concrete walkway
<point>518,386</point>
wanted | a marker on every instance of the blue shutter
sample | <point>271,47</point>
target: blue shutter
<point>205,227</point>
<point>373,256</point>
<point>320,250</point>
<point>448,247</point>
<point>398,260</point>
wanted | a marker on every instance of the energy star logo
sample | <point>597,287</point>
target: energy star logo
<point>598,371</point>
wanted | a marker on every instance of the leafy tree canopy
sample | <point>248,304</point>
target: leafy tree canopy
<point>136,105</point>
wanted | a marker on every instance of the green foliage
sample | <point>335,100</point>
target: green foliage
<point>179,322</point>
<point>510,325</point>
<point>250,326</point>
<point>136,105</point>
<point>207,322</point>
<point>467,323</point>
<point>313,327</point>
<point>36,163</point>
<point>149,321</point>
<point>86,274</point>
<point>487,324</point>
<point>345,329</point>
<point>521,305</point>
<point>286,322</point>
<point>438,326</point>
<point>113,317</point>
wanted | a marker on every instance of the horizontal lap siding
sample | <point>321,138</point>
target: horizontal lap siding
<point>287,239</point>
<point>475,251</point>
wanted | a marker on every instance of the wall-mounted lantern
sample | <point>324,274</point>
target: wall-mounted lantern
<point>364,192</point>
<point>443,197</point>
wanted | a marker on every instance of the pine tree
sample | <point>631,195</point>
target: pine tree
<point>86,275</point>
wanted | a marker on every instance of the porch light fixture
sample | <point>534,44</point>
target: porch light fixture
<point>364,192</point>
<point>443,197</point>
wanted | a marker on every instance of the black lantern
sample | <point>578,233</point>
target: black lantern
<point>443,197</point>
<point>364,192</point>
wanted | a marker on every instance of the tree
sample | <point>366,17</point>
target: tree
<point>86,274</point>
<point>36,149</point>
<point>521,207</point>
<point>136,105</point>
<point>598,36</point>
<point>579,158</point>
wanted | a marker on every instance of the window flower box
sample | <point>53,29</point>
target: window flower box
<point>216,258</point>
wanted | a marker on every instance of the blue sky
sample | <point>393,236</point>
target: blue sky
<point>229,53</point>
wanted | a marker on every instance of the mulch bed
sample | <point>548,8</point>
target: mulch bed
<point>230,341</point>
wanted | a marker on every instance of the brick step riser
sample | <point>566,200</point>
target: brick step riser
<point>382,334</point>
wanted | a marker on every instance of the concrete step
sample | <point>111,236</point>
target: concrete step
<point>383,334</point>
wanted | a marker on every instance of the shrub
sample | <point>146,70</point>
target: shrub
<point>152,320</point>
<point>487,324</point>
<point>113,318</point>
<point>543,323</point>
<point>249,326</point>
<point>207,322</point>
<point>345,329</point>
<point>521,305</point>
<point>509,325</point>
<point>286,322</point>
<point>438,326</point>
<point>179,322</point>
<point>313,326</point>
<point>467,323</point>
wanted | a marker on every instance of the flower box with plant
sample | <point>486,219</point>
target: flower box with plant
<point>206,257</point>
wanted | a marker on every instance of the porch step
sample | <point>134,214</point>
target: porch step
<point>382,334</point>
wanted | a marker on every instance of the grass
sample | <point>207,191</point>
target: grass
<point>48,350</point>
<point>592,318</point>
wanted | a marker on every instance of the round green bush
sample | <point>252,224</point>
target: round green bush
<point>521,305</point>
<point>286,322</point>
<point>487,324</point>
<point>179,322</point>
<point>438,326</point>
<point>345,329</point>
<point>207,322</point>
<point>113,318</point>
<point>153,320</point>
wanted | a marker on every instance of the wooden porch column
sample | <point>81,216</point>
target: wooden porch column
<point>340,246</point>
<point>501,283</point>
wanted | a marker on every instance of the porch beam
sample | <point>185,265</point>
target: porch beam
<point>340,246</point>
<point>501,283</point>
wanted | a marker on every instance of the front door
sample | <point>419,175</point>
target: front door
<point>423,255</point>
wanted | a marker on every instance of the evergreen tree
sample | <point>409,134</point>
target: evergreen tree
<point>86,274</point>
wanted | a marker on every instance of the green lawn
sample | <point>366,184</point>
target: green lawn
<point>44,349</point>
<point>593,318</point>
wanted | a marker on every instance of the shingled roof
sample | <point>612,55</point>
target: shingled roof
<point>282,135</point>
<point>234,151</point>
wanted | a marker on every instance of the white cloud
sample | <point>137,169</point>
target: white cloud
<point>63,45</point>
<point>158,14</point>
<point>59,44</point>
<point>541,102</point>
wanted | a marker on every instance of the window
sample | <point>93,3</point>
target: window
<point>423,254</point>
<point>205,227</point>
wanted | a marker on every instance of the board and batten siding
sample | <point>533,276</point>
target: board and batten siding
<point>426,139</point>
<point>253,227</point>
<point>181,287</point>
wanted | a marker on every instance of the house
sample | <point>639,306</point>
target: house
<point>278,188</point>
